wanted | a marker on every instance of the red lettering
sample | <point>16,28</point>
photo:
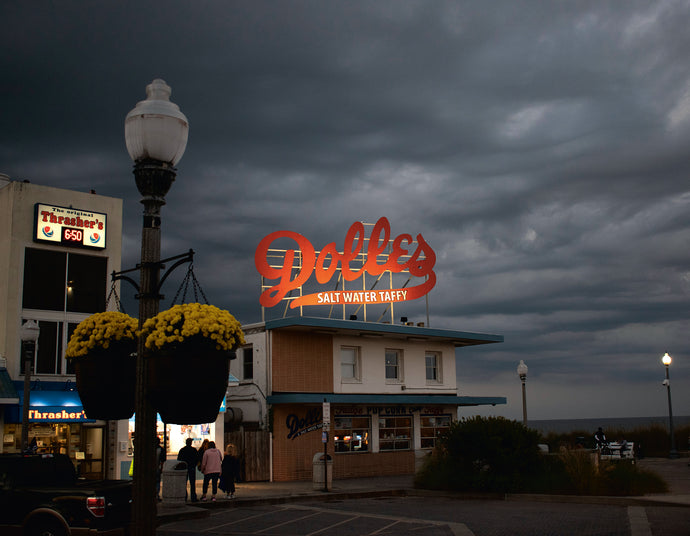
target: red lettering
<point>44,215</point>
<point>419,264</point>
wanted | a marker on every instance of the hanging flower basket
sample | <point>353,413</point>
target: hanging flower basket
<point>103,348</point>
<point>188,352</point>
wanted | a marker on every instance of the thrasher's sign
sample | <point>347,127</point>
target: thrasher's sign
<point>397,257</point>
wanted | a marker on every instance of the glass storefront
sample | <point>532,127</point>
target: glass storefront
<point>84,444</point>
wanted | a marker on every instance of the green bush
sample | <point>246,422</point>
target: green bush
<point>483,454</point>
<point>497,455</point>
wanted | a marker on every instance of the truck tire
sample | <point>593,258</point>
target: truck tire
<point>46,526</point>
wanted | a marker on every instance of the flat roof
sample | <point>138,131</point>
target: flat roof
<point>378,329</point>
<point>373,398</point>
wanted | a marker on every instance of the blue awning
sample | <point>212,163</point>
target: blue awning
<point>48,403</point>
<point>318,398</point>
<point>8,394</point>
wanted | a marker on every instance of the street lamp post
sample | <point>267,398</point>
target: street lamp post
<point>522,372</point>
<point>666,360</point>
<point>156,137</point>
<point>29,333</point>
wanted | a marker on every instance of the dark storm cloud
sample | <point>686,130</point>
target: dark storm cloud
<point>540,148</point>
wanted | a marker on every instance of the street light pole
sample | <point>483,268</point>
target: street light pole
<point>666,360</point>
<point>156,137</point>
<point>29,333</point>
<point>522,372</point>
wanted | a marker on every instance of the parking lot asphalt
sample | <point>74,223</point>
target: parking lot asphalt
<point>676,472</point>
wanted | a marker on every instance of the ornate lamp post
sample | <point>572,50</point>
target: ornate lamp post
<point>156,137</point>
<point>666,360</point>
<point>29,333</point>
<point>522,372</point>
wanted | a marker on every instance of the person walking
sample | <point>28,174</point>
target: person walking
<point>190,456</point>
<point>211,466</point>
<point>230,471</point>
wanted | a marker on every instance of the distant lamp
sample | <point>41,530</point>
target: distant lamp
<point>29,333</point>
<point>353,317</point>
<point>522,373</point>
<point>666,360</point>
<point>403,319</point>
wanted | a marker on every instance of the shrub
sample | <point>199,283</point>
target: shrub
<point>483,454</point>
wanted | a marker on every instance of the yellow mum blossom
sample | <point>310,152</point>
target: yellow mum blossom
<point>100,330</point>
<point>193,322</point>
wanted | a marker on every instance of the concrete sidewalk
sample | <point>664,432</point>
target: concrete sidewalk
<point>675,472</point>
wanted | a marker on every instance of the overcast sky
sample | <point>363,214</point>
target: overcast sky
<point>542,149</point>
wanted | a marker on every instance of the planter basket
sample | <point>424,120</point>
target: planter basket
<point>187,382</point>
<point>106,379</point>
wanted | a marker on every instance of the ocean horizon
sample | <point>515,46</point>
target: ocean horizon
<point>562,426</point>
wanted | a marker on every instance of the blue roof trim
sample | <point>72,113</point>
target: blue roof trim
<point>461,338</point>
<point>8,393</point>
<point>318,398</point>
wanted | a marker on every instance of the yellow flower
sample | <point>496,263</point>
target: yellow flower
<point>193,322</point>
<point>99,331</point>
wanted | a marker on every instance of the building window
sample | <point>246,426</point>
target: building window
<point>349,364</point>
<point>432,428</point>
<point>59,281</point>
<point>395,433</point>
<point>248,363</point>
<point>394,366</point>
<point>351,434</point>
<point>64,285</point>
<point>50,348</point>
<point>433,367</point>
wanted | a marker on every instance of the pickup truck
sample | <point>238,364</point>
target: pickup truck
<point>40,495</point>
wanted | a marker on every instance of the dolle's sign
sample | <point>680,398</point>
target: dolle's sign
<point>69,226</point>
<point>419,263</point>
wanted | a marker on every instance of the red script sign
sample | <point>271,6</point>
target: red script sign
<point>419,264</point>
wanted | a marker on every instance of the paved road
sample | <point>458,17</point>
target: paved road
<point>426,516</point>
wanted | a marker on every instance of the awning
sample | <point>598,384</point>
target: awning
<point>8,394</point>
<point>49,402</point>
<point>318,398</point>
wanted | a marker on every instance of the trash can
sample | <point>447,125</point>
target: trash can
<point>174,479</point>
<point>318,470</point>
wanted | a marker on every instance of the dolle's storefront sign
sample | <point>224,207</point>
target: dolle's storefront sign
<point>419,263</point>
<point>69,226</point>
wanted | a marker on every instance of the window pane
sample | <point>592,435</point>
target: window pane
<point>351,434</point>
<point>248,363</point>
<point>44,280</point>
<point>69,369</point>
<point>431,367</point>
<point>47,348</point>
<point>87,280</point>
<point>391,365</point>
<point>348,363</point>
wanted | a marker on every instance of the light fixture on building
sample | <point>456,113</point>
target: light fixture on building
<point>156,137</point>
<point>28,333</point>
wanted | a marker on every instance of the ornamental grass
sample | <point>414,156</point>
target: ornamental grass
<point>193,323</point>
<point>101,331</point>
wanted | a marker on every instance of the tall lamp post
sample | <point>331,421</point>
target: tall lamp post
<point>522,372</point>
<point>29,333</point>
<point>156,137</point>
<point>666,360</point>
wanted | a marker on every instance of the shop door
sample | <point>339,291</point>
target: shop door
<point>93,464</point>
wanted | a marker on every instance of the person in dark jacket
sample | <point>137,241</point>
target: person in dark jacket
<point>230,471</point>
<point>190,455</point>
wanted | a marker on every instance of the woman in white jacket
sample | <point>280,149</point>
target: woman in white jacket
<point>211,467</point>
